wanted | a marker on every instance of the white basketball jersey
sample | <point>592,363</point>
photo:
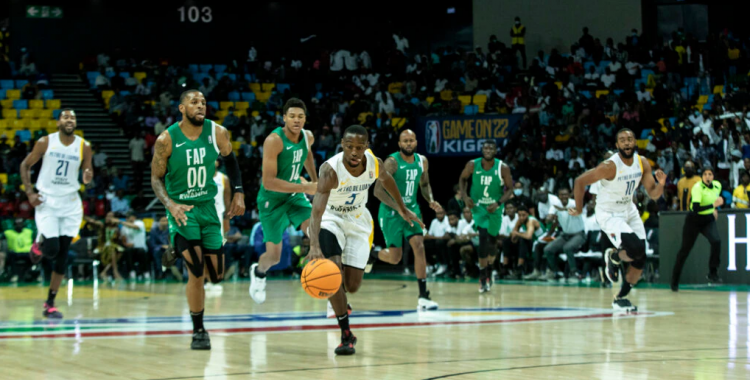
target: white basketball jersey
<point>220,179</point>
<point>60,167</point>
<point>617,195</point>
<point>351,194</point>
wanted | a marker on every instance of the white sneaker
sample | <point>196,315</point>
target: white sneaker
<point>442,269</point>
<point>132,275</point>
<point>331,314</point>
<point>257,286</point>
<point>147,276</point>
<point>426,304</point>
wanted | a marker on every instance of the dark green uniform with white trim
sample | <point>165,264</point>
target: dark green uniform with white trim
<point>407,177</point>
<point>189,181</point>
<point>278,210</point>
<point>486,189</point>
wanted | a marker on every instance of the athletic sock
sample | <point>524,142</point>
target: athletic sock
<point>51,298</point>
<point>482,274</point>
<point>197,321</point>
<point>258,274</point>
<point>625,289</point>
<point>422,287</point>
<point>343,322</point>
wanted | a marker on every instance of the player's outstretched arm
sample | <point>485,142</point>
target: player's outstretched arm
<point>390,166</point>
<point>271,149</point>
<point>310,161</point>
<point>328,181</point>
<point>463,184</point>
<point>224,142</point>
<point>386,179</point>
<point>654,188</point>
<point>424,184</point>
<point>162,152</point>
<point>36,154</point>
<point>605,170</point>
<point>507,181</point>
<point>87,166</point>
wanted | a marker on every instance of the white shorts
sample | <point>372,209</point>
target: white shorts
<point>354,233</point>
<point>614,224</point>
<point>59,216</point>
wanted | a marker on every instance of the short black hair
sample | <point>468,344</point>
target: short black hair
<point>490,141</point>
<point>454,213</point>
<point>357,130</point>
<point>624,130</point>
<point>521,207</point>
<point>185,94</point>
<point>563,188</point>
<point>63,110</point>
<point>294,102</point>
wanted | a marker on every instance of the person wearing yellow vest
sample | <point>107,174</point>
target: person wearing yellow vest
<point>739,197</point>
<point>701,219</point>
<point>517,41</point>
<point>19,240</point>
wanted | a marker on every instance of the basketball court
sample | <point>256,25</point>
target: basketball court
<point>142,331</point>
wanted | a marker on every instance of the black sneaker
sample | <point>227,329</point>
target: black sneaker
<point>613,266</point>
<point>622,304</point>
<point>348,341</point>
<point>714,279</point>
<point>168,258</point>
<point>200,341</point>
<point>675,287</point>
<point>51,312</point>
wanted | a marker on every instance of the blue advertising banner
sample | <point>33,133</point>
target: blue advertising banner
<point>454,136</point>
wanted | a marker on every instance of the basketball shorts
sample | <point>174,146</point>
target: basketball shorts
<point>395,228</point>
<point>203,224</point>
<point>491,221</point>
<point>354,232</point>
<point>614,224</point>
<point>276,215</point>
<point>59,216</point>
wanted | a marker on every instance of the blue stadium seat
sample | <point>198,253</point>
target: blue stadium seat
<point>125,74</point>
<point>672,120</point>
<point>618,92</point>
<point>56,113</point>
<point>271,113</point>
<point>248,96</point>
<point>220,68</point>
<point>110,74</point>
<point>646,72</point>
<point>48,94</point>
<point>205,68</point>
<point>587,94</point>
<point>234,96</point>
<point>233,77</point>
<point>588,64</point>
<point>603,65</point>
<point>249,77</point>
<point>6,84</point>
<point>214,104</point>
<point>281,87</point>
<point>706,107</point>
<point>25,135</point>
<point>199,77</point>
<point>645,133</point>
<point>414,101</point>
<point>2,94</point>
<point>21,104</point>
<point>193,68</point>
<point>125,93</point>
<point>318,86</point>
<point>21,82</point>
<point>541,84</point>
<point>91,76</point>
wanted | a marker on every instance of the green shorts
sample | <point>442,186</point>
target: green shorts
<point>276,215</point>
<point>203,224</point>
<point>491,221</point>
<point>395,228</point>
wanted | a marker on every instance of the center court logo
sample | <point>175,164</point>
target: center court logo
<point>432,136</point>
<point>296,322</point>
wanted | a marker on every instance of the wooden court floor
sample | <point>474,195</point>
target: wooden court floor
<point>141,331</point>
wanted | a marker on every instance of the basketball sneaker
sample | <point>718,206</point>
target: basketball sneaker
<point>425,303</point>
<point>36,253</point>
<point>51,312</point>
<point>535,275</point>
<point>613,265</point>
<point>714,279</point>
<point>257,286</point>
<point>200,341</point>
<point>622,304</point>
<point>168,258</point>
<point>484,285</point>
<point>331,314</point>
<point>348,341</point>
<point>372,259</point>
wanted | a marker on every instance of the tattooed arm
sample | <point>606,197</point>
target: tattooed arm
<point>162,152</point>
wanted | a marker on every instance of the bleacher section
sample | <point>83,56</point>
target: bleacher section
<point>26,118</point>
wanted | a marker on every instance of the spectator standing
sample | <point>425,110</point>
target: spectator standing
<point>518,39</point>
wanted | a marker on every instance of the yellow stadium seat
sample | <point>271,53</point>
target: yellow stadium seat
<point>27,114</point>
<point>263,96</point>
<point>650,91</point>
<point>446,95</point>
<point>240,113</point>
<point>13,94</point>
<point>3,124</point>
<point>107,94</point>
<point>464,99</point>
<point>601,93</point>
<point>642,143</point>
<point>255,114</point>
<point>10,114</point>
<point>703,99</point>
<point>267,87</point>
<point>221,114</point>
<point>4,178</point>
<point>36,104</point>
<point>718,89</point>
<point>7,103</point>
<point>79,132</point>
<point>480,99</point>
<point>20,124</point>
<point>139,75</point>
<point>53,104</point>
<point>398,122</point>
<point>226,105</point>
<point>255,87</point>
<point>430,99</point>
<point>236,145</point>
<point>35,125</point>
<point>241,105</point>
<point>148,223</point>
<point>559,85</point>
<point>363,117</point>
<point>481,107</point>
<point>52,124</point>
<point>395,87</point>
<point>45,114</point>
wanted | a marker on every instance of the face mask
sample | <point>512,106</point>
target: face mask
<point>518,192</point>
<point>518,23</point>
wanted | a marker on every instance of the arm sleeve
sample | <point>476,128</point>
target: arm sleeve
<point>698,208</point>
<point>233,172</point>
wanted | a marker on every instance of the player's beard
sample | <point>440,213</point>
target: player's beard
<point>64,130</point>
<point>194,121</point>
<point>625,155</point>
<point>406,152</point>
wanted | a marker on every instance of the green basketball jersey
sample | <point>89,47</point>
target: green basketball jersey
<point>191,168</point>
<point>289,163</point>
<point>486,185</point>
<point>537,232</point>
<point>407,178</point>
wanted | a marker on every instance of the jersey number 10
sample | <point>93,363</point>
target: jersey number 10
<point>631,187</point>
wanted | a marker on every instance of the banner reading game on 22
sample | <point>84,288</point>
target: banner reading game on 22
<point>463,135</point>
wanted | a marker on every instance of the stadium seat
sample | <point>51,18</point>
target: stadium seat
<point>2,94</point>
<point>601,93</point>
<point>20,123</point>
<point>642,144</point>
<point>9,113</point>
<point>255,87</point>
<point>21,104</point>
<point>45,114</point>
<point>464,99</point>
<point>267,87</point>
<point>7,103</point>
<point>4,178</point>
<point>139,75</point>
<point>27,114</point>
<point>645,133</point>
<point>3,125</point>
<point>24,134</point>
<point>56,113</point>
<point>35,125</point>
<point>248,96</point>
<point>703,99</point>
<point>718,89</point>
<point>193,68</point>
<point>430,99</point>
<point>395,87</point>
<point>20,83</point>
<point>198,77</point>
<point>79,132</point>
<point>206,68</point>
<point>263,96</point>
<point>240,113</point>
<point>220,68</point>
<point>148,223</point>
<point>51,124</point>
<point>588,64</point>
<point>241,105</point>
<point>232,77</point>
<point>281,87</point>
<point>587,94</point>
<point>446,95</point>
<point>559,85</point>
<point>125,75</point>
<point>53,104</point>
<point>480,99</point>
<point>236,145</point>
<point>234,96</point>
<point>36,104</point>
<point>6,84</point>
<point>213,104</point>
<point>618,92</point>
<point>226,105</point>
<point>107,94</point>
<point>13,94</point>
<point>646,72</point>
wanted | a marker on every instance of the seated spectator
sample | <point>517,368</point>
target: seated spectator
<point>158,242</point>
<point>519,243</point>
<point>237,249</point>
<point>436,241</point>
<point>133,239</point>
<point>121,181</point>
<point>569,241</point>
<point>643,95</point>
<point>608,79</point>
<point>593,241</point>
<point>119,204</point>
<point>739,197</point>
<point>510,218</point>
<point>231,120</point>
<point>20,240</point>
<point>102,81</point>
<point>456,203</point>
<point>518,198</point>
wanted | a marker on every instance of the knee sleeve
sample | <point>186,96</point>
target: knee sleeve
<point>182,245</point>
<point>215,275</point>
<point>51,248</point>
<point>635,248</point>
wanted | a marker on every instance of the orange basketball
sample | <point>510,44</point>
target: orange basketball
<point>321,278</point>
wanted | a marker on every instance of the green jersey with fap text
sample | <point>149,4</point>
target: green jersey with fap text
<point>190,168</point>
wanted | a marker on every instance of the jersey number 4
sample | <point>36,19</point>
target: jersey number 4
<point>631,187</point>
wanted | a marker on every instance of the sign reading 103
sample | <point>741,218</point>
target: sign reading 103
<point>195,14</point>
